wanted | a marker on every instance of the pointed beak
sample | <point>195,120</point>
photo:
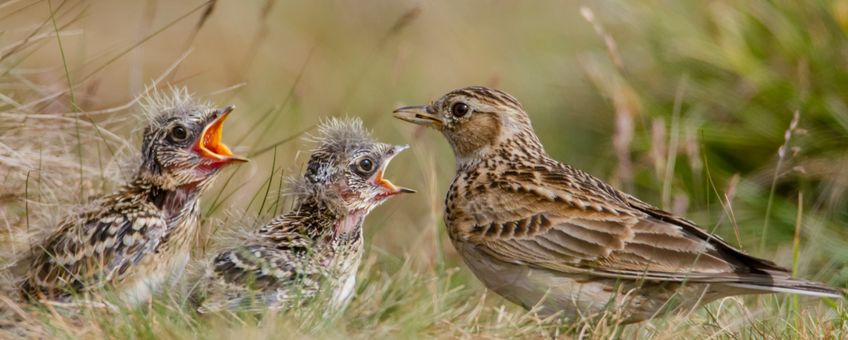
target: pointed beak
<point>209,144</point>
<point>378,180</point>
<point>421,115</point>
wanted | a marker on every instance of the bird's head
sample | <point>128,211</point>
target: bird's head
<point>182,141</point>
<point>346,169</point>
<point>473,119</point>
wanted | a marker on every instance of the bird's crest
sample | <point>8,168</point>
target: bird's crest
<point>158,102</point>
<point>337,135</point>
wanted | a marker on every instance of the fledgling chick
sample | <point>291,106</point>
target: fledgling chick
<point>130,242</point>
<point>544,234</point>
<point>319,243</point>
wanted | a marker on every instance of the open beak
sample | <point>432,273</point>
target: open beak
<point>421,115</point>
<point>209,144</point>
<point>378,180</point>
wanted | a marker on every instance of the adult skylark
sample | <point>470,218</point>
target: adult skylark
<point>544,234</point>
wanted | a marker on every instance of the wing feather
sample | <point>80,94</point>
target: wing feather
<point>572,222</point>
<point>275,270</point>
<point>258,276</point>
<point>93,248</point>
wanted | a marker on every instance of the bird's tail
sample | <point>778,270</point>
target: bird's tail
<point>789,285</point>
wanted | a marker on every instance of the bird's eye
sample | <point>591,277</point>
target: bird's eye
<point>365,166</point>
<point>179,133</point>
<point>460,109</point>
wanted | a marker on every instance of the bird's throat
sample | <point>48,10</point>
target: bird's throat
<point>172,202</point>
<point>349,224</point>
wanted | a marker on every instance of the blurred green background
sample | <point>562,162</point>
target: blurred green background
<point>683,103</point>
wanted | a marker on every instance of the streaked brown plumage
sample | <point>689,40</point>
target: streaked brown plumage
<point>544,234</point>
<point>320,242</point>
<point>132,241</point>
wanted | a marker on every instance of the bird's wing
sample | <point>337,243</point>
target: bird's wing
<point>562,219</point>
<point>94,248</point>
<point>271,276</point>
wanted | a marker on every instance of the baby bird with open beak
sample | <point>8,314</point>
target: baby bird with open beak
<point>130,242</point>
<point>319,243</point>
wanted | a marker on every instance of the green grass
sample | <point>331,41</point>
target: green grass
<point>683,103</point>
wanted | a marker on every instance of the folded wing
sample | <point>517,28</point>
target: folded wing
<point>562,219</point>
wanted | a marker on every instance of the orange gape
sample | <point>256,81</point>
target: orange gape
<point>209,145</point>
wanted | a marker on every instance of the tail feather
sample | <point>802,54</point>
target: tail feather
<point>791,286</point>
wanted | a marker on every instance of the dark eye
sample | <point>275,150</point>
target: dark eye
<point>179,133</point>
<point>365,166</point>
<point>460,109</point>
